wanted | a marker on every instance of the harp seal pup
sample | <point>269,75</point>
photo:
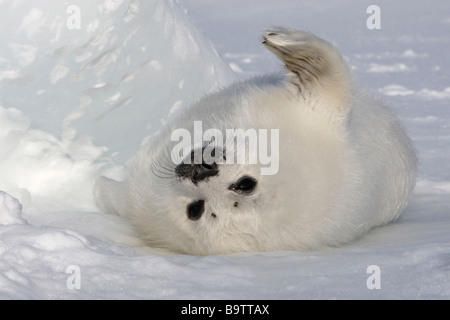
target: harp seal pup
<point>346,164</point>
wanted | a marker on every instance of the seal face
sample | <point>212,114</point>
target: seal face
<point>342,163</point>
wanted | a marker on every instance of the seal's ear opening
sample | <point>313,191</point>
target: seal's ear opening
<point>108,195</point>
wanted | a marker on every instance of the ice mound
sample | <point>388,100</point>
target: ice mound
<point>115,71</point>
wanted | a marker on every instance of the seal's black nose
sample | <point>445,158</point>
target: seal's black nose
<point>203,171</point>
<point>196,172</point>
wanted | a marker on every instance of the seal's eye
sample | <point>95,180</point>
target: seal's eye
<point>244,185</point>
<point>195,210</point>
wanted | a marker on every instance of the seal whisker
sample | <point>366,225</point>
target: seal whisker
<point>161,171</point>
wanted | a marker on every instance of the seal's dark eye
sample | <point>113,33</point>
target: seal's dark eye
<point>195,210</point>
<point>244,185</point>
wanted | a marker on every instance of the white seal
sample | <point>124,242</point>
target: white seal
<point>341,163</point>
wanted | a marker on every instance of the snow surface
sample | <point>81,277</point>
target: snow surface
<point>76,103</point>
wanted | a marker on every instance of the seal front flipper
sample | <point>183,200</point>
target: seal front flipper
<point>109,195</point>
<point>315,67</point>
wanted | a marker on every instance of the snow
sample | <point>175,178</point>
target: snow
<point>77,102</point>
<point>10,210</point>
